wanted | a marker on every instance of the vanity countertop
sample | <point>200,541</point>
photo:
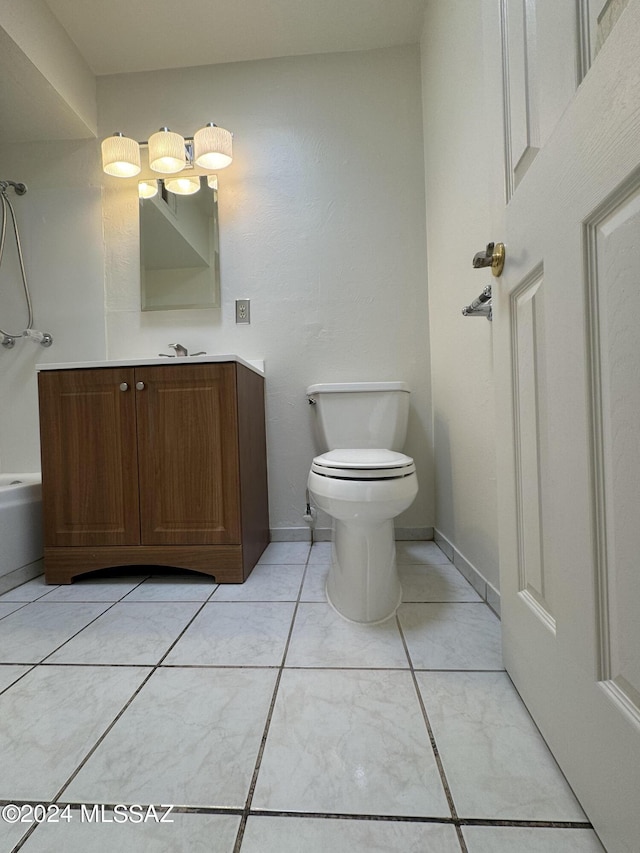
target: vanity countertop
<point>256,365</point>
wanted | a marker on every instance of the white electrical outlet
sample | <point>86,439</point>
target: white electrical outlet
<point>242,311</point>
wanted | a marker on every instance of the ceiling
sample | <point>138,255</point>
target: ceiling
<point>120,36</point>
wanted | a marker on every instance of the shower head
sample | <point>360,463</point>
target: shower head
<point>20,189</point>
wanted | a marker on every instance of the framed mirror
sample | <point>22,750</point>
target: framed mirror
<point>179,250</point>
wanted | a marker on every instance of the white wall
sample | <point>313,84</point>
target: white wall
<point>60,224</point>
<point>322,226</point>
<point>462,108</point>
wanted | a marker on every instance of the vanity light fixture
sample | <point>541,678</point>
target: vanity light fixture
<point>212,147</point>
<point>181,185</point>
<point>169,152</point>
<point>212,182</point>
<point>120,156</point>
<point>147,189</point>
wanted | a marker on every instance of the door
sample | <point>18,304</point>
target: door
<point>188,454</point>
<point>89,457</point>
<point>566,326</point>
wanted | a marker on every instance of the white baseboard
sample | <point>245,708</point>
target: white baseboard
<point>19,576</point>
<point>323,534</point>
<point>482,586</point>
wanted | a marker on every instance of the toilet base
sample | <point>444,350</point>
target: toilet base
<point>363,584</point>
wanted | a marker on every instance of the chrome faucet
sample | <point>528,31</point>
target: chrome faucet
<point>180,352</point>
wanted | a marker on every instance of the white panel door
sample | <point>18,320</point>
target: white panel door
<point>567,331</point>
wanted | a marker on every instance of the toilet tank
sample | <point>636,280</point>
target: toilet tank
<point>360,414</point>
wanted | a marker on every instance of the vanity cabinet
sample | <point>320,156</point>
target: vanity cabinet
<point>153,465</point>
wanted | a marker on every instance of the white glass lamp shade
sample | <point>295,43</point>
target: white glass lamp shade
<point>212,182</point>
<point>212,147</point>
<point>166,152</point>
<point>120,156</point>
<point>147,189</point>
<point>182,185</point>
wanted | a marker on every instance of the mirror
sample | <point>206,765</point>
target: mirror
<point>179,250</point>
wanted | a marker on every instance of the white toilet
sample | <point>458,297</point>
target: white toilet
<point>363,482</point>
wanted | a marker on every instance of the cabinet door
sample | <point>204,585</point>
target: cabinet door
<point>188,454</point>
<point>89,457</point>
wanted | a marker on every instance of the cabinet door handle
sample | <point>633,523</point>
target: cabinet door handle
<point>124,386</point>
<point>139,386</point>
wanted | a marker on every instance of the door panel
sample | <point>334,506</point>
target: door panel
<point>568,356</point>
<point>89,461</point>
<point>188,489</point>
<point>613,243</point>
<point>541,48</point>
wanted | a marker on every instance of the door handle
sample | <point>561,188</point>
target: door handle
<point>139,386</point>
<point>124,386</point>
<point>493,256</point>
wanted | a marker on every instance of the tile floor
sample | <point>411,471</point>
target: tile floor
<point>270,723</point>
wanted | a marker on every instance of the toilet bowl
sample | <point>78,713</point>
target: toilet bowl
<point>363,490</point>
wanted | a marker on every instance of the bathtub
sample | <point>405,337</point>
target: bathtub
<point>20,529</point>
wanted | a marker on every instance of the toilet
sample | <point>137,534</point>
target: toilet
<point>363,482</point>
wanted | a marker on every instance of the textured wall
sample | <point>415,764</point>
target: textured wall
<point>60,222</point>
<point>464,189</point>
<point>322,226</point>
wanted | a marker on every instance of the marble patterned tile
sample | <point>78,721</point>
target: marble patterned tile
<point>315,579</point>
<point>235,634</point>
<point>187,833</point>
<point>7,607</point>
<point>11,833</point>
<point>351,742</point>
<point>190,737</point>
<point>496,761</point>
<point>94,589</point>
<point>420,552</point>
<point>135,633</point>
<point>173,588</point>
<point>320,554</point>
<point>507,839</point>
<point>285,553</point>
<point>11,673</point>
<point>267,582</point>
<point>451,636</point>
<point>322,638</point>
<point>317,835</point>
<point>33,632</point>
<point>436,582</point>
<point>29,591</point>
<point>50,720</point>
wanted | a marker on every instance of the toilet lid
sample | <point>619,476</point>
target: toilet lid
<point>363,464</point>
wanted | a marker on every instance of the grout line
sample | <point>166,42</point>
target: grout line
<point>434,746</point>
<point>127,704</point>
<point>252,785</point>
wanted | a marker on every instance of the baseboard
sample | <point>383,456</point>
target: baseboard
<point>477,580</point>
<point>21,575</point>
<point>323,534</point>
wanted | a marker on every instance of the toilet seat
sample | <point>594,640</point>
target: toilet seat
<point>363,464</point>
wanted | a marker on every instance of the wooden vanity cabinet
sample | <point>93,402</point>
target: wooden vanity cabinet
<point>153,465</point>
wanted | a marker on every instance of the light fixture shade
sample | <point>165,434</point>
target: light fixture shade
<point>212,147</point>
<point>182,185</point>
<point>166,152</point>
<point>212,182</point>
<point>120,156</point>
<point>147,189</point>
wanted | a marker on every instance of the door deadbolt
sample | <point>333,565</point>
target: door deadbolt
<point>493,256</point>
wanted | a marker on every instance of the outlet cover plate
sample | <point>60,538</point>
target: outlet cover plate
<point>243,312</point>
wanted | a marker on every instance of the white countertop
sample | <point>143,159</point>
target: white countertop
<point>257,365</point>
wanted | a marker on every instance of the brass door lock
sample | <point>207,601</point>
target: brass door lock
<point>493,257</point>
